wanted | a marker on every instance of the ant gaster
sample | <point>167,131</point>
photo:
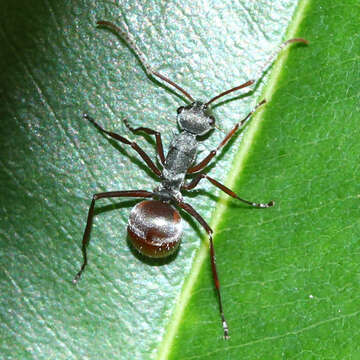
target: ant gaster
<point>155,226</point>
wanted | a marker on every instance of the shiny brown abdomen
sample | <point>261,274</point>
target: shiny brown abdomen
<point>155,228</point>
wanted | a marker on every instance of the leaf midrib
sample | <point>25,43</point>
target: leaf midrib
<point>239,161</point>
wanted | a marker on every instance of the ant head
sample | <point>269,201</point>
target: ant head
<point>195,118</point>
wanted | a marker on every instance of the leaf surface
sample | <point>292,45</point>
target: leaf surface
<point>288,274</point>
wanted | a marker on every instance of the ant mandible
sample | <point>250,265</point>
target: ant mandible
<point>155,226</point>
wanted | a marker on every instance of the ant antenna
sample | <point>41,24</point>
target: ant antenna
<point>262,69</point>
<point>128,38</point>
<point>248,83</point>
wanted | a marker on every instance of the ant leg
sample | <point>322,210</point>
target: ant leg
<point>212,153</point>
<point>86,237</point>
<point>133,144</point>
<point>225,189</point>
<point>159,145</point>
<point>189,209</point>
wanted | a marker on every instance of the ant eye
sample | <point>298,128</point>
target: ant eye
<point>180,109</point>
<point>211,121</point>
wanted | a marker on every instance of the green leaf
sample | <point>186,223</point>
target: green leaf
<point>289,276</point>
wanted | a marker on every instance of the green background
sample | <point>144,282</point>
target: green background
<point>289,274</point>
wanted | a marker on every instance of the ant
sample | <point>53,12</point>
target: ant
<point>155,225</point>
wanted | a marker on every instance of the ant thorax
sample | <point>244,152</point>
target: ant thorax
<point>181,155</point>
<point>194,120</point>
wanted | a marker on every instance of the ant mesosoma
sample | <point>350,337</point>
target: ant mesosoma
<point>155,226</point>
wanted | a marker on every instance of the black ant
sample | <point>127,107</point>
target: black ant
<point>155,226</point>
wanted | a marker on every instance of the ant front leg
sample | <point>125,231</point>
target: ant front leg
<point>159,145</point>
<point>190,210</point>
<point>110,194</point>
<point>225,189</point>
<point>212,153</point>
<point>133,144</point>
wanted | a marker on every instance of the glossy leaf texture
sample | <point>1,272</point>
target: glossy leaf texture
<point>289,274</point>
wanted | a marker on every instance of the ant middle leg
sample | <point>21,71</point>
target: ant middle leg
<point>124,140</point>
<point>225,189</point>
<point>159,145</point>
